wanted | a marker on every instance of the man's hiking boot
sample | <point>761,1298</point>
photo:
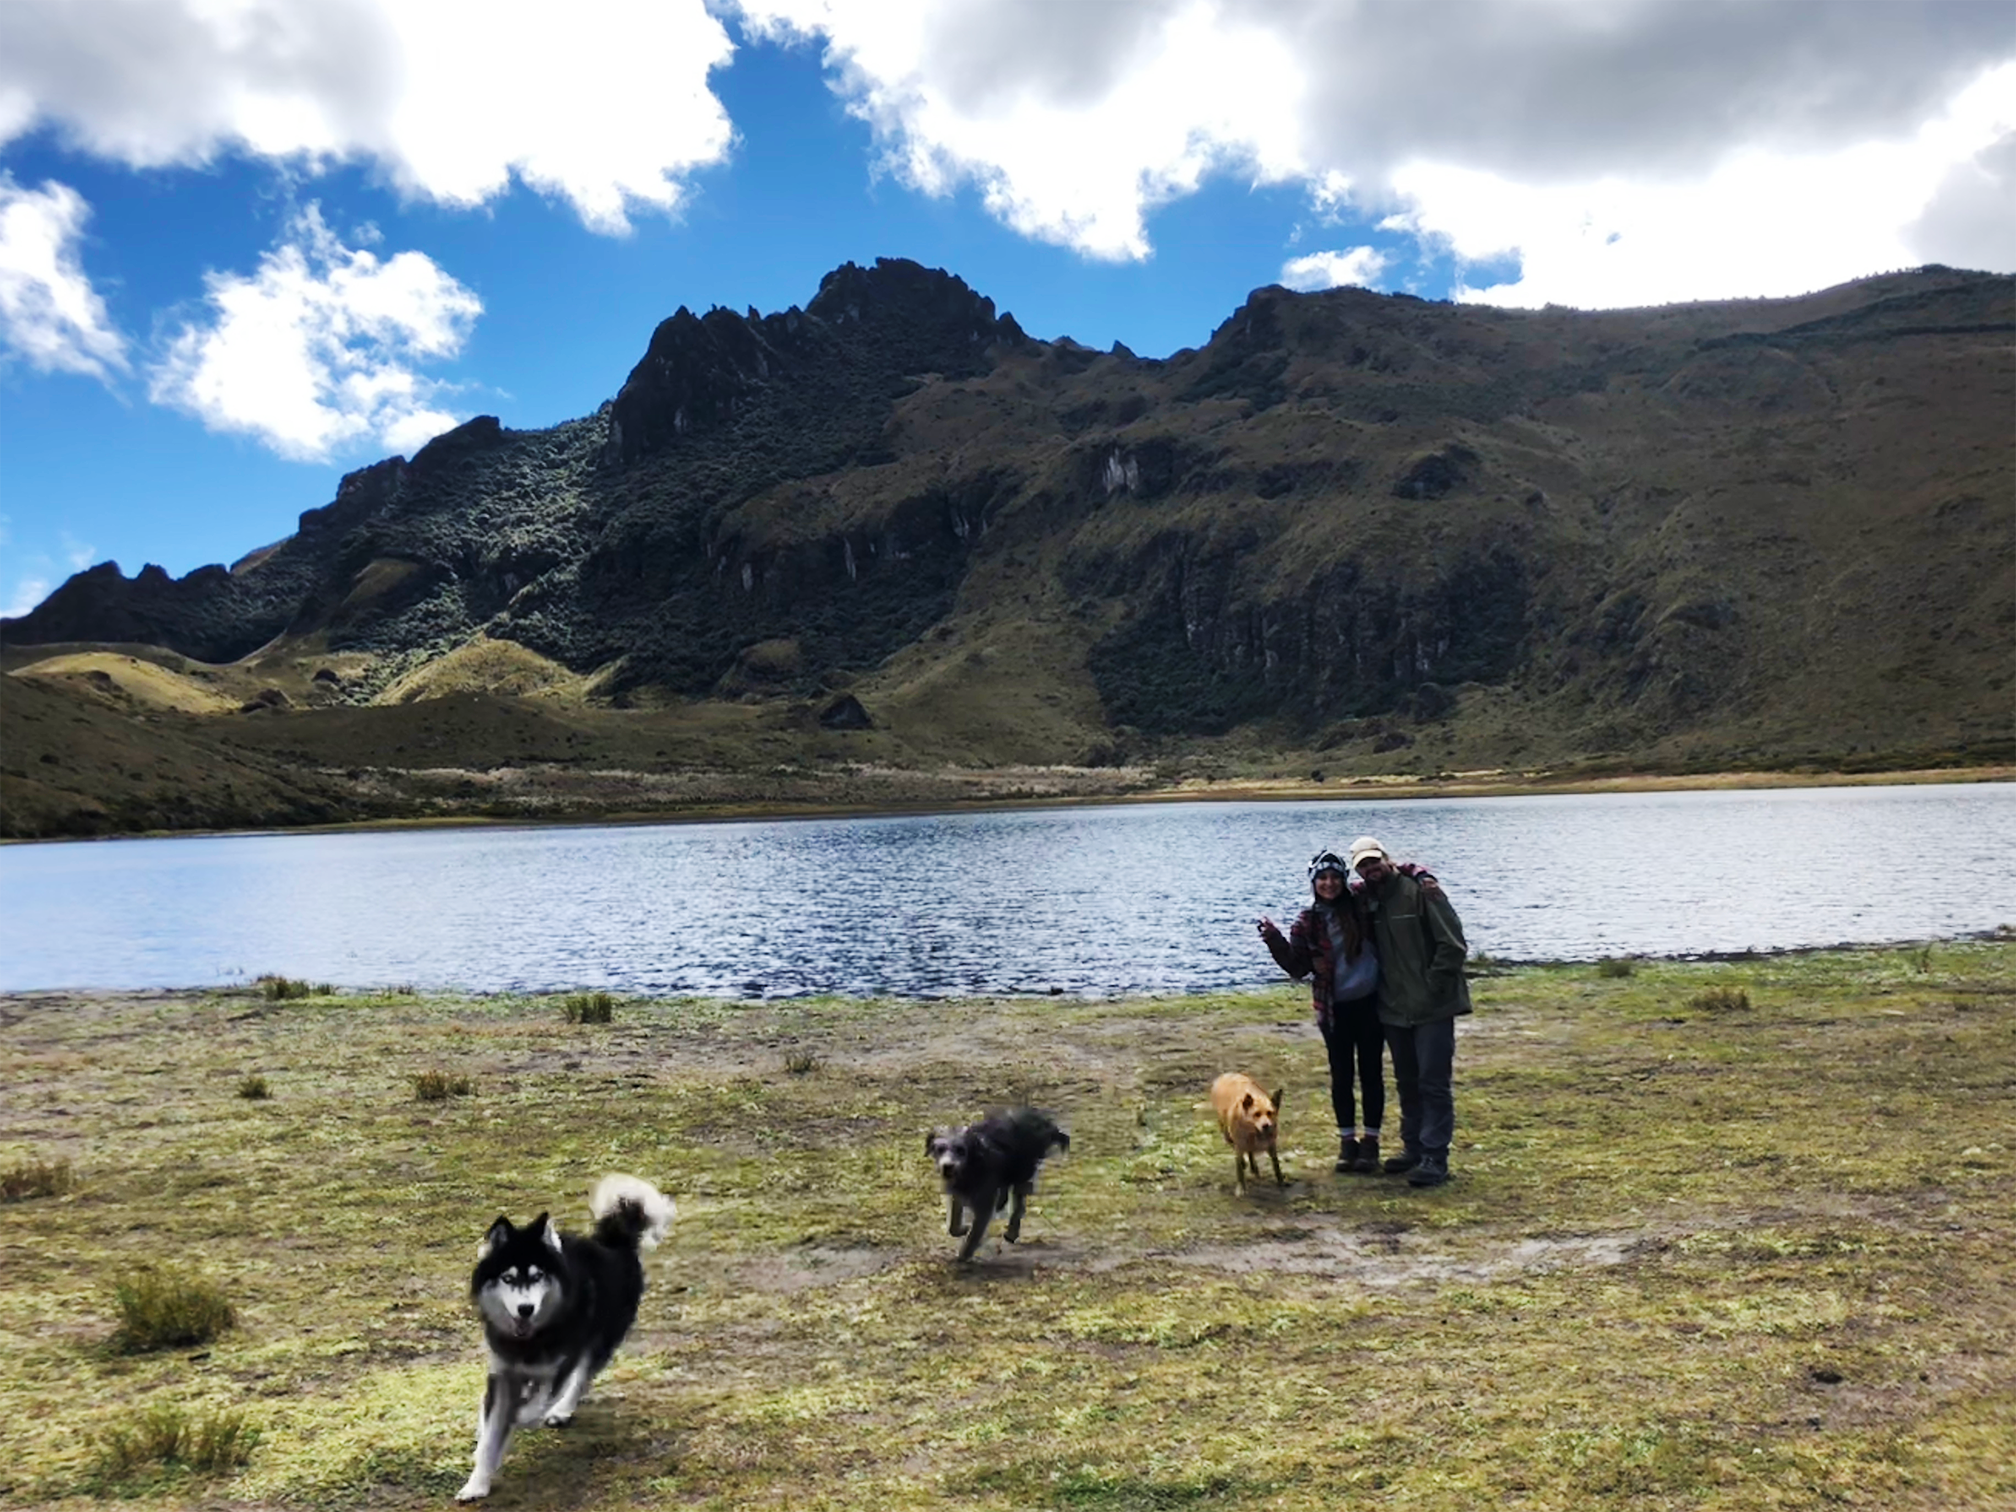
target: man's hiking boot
<point>1368,1155</point>
<point>1432,1170</point>
<point>1395,1165</point>
<point>1347,1155</point>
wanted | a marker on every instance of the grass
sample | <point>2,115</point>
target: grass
<point>28,1179</point>
<point>166,1437</point>
<point>1616,966</point>
<point>1689,1259</point>
<point>277,989</point>
<point>588,1007</point>
<point>1721,998</point>
<point>439,1086</point>
<point>167,1307</point>
<point>253,1088</point>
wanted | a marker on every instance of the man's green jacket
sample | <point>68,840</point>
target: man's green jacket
<point>1421,953</point>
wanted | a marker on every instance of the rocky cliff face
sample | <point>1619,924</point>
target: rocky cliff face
<point>1348,517</point>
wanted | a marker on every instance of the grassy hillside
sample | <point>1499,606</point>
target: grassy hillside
<point>1721,1236</point>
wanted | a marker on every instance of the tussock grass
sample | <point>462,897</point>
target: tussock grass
<point>1720,999</point>
<point>277,989</point>
<point>439,1086</point>
<point>253,1088</point>
<point>588,1007</point>
<point>1687,1259</point>
<point>801,1063</point>
<point>28,1179</point>
<point>166,1437</point>
<point>168,1307</point>
<point>1616,966</point>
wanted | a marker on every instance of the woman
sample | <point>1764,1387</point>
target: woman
<point>1331,944</point>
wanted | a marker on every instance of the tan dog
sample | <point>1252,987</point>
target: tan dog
<point>1249,1120</point>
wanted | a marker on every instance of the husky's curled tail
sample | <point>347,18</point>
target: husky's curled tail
<point>629,1213</point>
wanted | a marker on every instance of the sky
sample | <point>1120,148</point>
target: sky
<point>247,246</point>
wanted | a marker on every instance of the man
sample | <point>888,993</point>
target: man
<point>1421,995</point>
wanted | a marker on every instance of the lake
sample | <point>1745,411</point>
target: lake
<point>1103,900</point>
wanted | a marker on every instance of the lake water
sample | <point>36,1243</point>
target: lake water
<point>1141,898</point>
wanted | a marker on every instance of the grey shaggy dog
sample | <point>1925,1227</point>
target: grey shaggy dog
<point>554,1308</point>
<point>989,1165</point>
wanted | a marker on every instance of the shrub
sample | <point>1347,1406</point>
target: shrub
<point>1616,966</point>
<point>439,1086</point>
<point>35,1178</point>
<point>588,1007</point>
<point>1920,959</point>
<point>164,1308</point>
<point>800,1062</point>
<point>1720,1000</point>
<point>168,1436</point>
<point>279,988</point>
<point>254,1089</point>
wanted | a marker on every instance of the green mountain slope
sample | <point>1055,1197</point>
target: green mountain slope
<point>1407,535</point>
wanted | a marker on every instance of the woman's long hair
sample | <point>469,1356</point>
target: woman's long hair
<point>1351,916</point>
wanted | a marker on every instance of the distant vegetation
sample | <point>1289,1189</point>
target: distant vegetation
<point>29,1179</point>
<point>439,1086</point>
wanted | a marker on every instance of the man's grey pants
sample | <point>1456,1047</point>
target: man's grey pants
<point>1424,1062</point>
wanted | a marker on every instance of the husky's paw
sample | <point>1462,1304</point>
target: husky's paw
<point>475,1490</point>
<point>558,1419</point>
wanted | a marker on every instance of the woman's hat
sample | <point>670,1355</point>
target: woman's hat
<point>1324,861</point>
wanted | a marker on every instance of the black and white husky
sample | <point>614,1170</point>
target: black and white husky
<point>987,1165</point>
<point>555,1306</point>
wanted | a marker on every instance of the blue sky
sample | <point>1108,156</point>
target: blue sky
<point>248,246</point>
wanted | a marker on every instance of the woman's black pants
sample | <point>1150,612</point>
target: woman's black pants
<point>1357,1046</point>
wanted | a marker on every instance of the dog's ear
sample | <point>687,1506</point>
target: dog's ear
<point>1246,1103</point>
<point>499,1232</point>
<point>549,1235</point>
<point>1277,1102</point>
<point>932,1140</point>
<point>1063,1140</point>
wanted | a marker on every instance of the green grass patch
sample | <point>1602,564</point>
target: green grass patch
<point>253,1088</point>
<point>168,1307</point>
<point>1616,966</point>
<point>588,1007</point>
<point>1721,999</point>
<point>167,1438</point>
<point>277,989</point>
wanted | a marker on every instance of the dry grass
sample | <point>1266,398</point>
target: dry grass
<point>439,1086</point>
<point>26,1180</point>
<point>1689,1259</point>
<point>168,1438</point>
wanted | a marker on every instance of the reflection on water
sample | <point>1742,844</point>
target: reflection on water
<point>1087,900</point>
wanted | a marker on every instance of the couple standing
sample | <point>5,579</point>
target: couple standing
<point>1384,956</point>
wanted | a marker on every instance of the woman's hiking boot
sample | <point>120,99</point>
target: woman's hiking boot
<point>1347,1155</point>
<point>1368,1155</point>
<point>1395,1165</point>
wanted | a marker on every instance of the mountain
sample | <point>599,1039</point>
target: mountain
<point>1404,535</point>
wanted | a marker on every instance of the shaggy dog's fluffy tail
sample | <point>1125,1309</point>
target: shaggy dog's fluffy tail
<point>629,1213</point>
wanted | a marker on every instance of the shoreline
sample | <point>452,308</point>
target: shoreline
<point>1482,965</point>
<point>1189,790</point>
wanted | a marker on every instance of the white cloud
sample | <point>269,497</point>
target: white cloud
<point>1331,270</point>
<point>49,312</point>
<point>1073,122</point>
<point>28,592</point>
<point>604,103</point>
<point>1726,144</point>
<point>317,350</point>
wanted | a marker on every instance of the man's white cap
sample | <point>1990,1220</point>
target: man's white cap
<point>1365,846</point>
